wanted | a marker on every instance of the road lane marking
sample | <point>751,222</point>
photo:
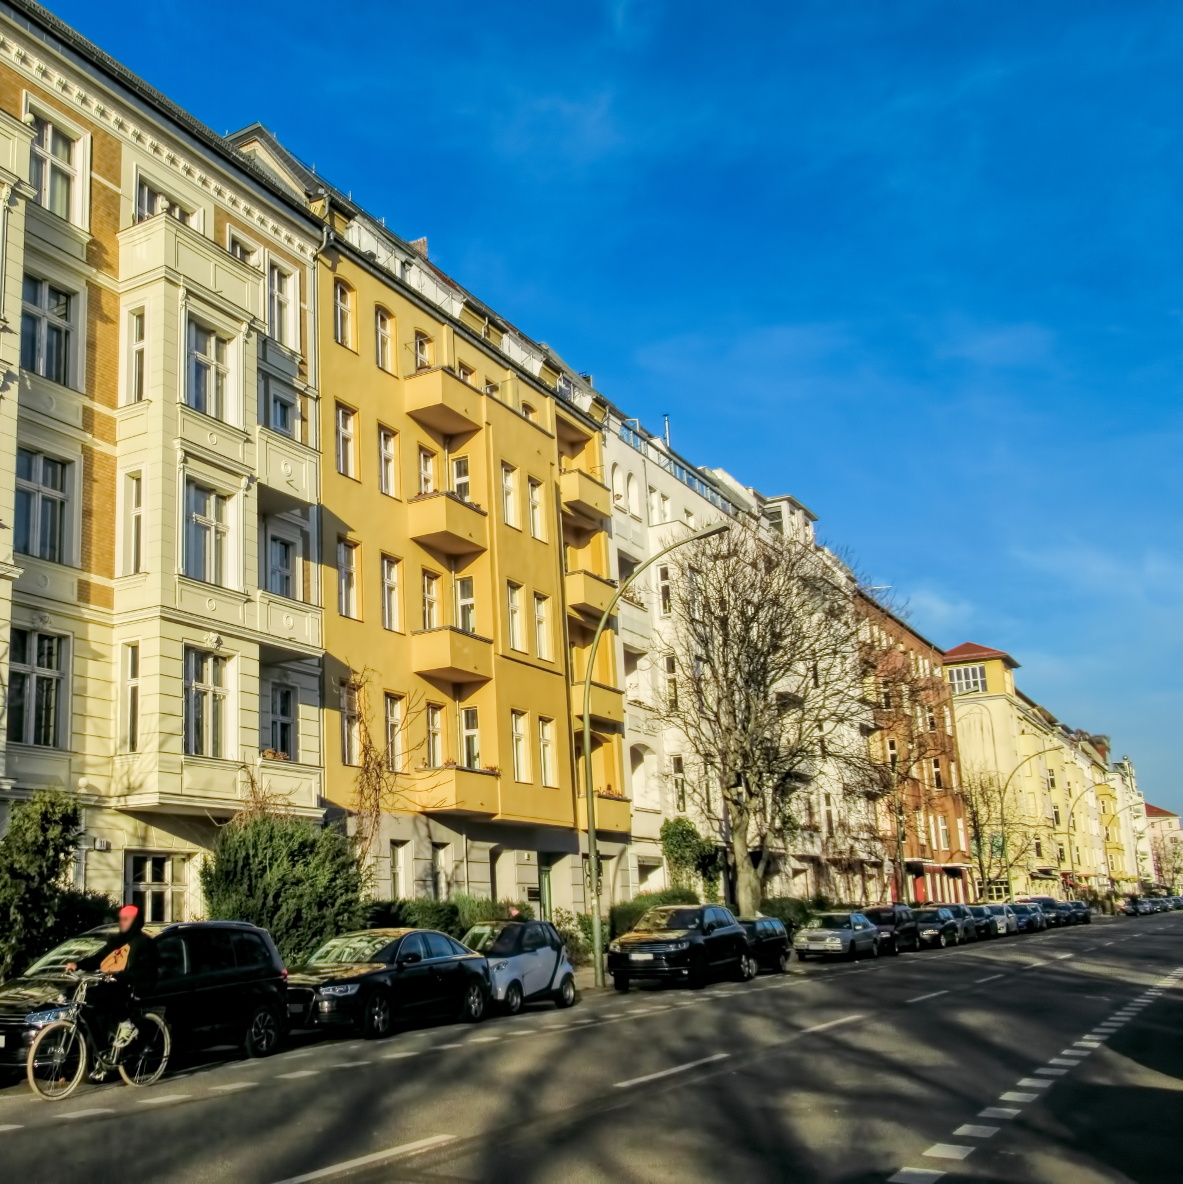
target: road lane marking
<point>11,1126</point>
<point>719,1056</point>
<point>988,979</point>
<point>301,1073</point>
<point>233,1085</point>
<point>930,995</point>
<point>1052,1072</point>
<point>484,1039</point>
<point>1088,1043</point>
<point>1015,1096</point>
<point>999,1112</point>
<point>1065,955</point>
<point>948,1151</point>
<point>398,1056</point>
<point>1032,1083</point>
<point>437,1047</point>
<point>970,1131</point>
<point>915,1176</point>
<point>362,1161</point>
<point>1062,1061</point>
<point>349,1064</point>
<point>160,1101</point>
<point>846,1019</point>
<point>84,1113</point>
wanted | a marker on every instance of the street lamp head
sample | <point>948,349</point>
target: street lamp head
<point>718,528</point>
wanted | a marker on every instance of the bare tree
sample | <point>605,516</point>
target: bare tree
<point>1166,854</point>
<point>767,689</point>
<point>1001,837</point>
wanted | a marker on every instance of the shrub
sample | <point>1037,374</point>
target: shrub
<point>474,909</point>
<point>792,910</point>
<point>622,917</point>
<point>36,854</point>
<point>300,881</point>
<point>78,912</point>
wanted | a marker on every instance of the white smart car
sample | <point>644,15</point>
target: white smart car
<point>528,962</point>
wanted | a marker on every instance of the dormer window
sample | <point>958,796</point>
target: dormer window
<point>966,679</point>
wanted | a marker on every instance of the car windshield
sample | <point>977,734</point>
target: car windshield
<point>667,918</point>
<point>350,947</point>
<point>979,910</point>
<point>880,916</point>
<point>998,910</point>
<point>492,938</point>
<point>1020,908</point>
<point>73,950</point>
<point>928,915</point>
<point>830,921</point>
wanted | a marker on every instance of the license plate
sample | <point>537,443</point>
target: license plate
<point>641,957</point>
<point>1,1039</point>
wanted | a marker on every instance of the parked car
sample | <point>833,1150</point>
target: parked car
<point>217,981</point>
<point>967,926</point>
<point>528,962</point>
<point>1029,917</point>
<point>938,927</point>
<point>985,922</point>
<point>1050,907</point>
<point>842,935</point>
<point>769,941</point>
<point>374,978</point>
<point>1080,912</point>
<point>897,927</point>
<point>1004,918</point>
<point>682,943</point>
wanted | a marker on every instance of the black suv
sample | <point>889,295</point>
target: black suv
<point>897,924</point>
<point>770,941</point>
<point>967,925</point>
<point>682,943</point>
<point>217,981</point>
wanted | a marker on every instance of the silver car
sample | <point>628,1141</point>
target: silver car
<point>837,935</point>
<point>1004,919</point>
<point>528,963</point>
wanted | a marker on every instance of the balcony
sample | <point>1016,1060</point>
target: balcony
<point>442,522</point>
<point>584,495</point>
<point>451,655</point>
<point>588,593</point>
<point>612,813</point>
<point>441,401</point>
<point>607,704</point>
<point>452,790</point>
<point>291,622</point>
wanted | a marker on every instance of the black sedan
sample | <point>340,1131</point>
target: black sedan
<point>770,942</point>
<point>374,978</point>
<point>937,927</point>
<point>1030,918</point>
<point>897,926</point>
<point>682,943</point>
<point>984,921</point>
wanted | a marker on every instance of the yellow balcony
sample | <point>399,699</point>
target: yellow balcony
<point>612,813</point>
<point>451,790</point>
<point>444,523</point>
<point>441,401</point>
<point>588,593</point>
<point>584,495</point>
<point>607,704</point>
<point>452,655</point>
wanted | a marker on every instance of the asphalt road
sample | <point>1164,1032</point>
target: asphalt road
<point>1050,1059</point>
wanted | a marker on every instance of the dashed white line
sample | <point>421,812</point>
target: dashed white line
<point>1015,1096</point>
<point>301,1073</point>
<point>988,979</point>
<point>398,1056</point>
<point>846,1019</point>
<point>160,1101</point>
<point>377,1157</point>
<point>85,1113</point>
<point>233,1085</point>
<point>1032,1083</point>
<point>970,1131</point>
<point>1051,1072</point>
<point>349,1064</point>
<point>999,1112</point>
<point>948,1151</point>
<point>915,1176</point>
<point>930,995</point>
<point>437,1047</point>
<point>719,1056</point>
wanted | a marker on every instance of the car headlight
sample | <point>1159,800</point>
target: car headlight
<point>335,992</point>
<point>929,932</point>
<point>502,965</point>
<point>40,1018</point>
<point>678,945</point>
<point>614,947</point>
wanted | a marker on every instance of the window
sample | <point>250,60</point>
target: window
<point>151,201</point>
<point>209,374</point>
<point>943,831</point>
<point>206,532</point>
<point>492,388</point>
<point>53,170</point>
<point>632,495</point>
<point>281,567</point>
<point>394,732</point>
<point>388,462</point>
<point>350,724</point>
<point>671,682</point>
<point>509,498</point>
<point>470,738</point>
<point>205,702</point>
<point>541,626</point>
<point>664,590</point>
<point>529,412</point>
<point>513,593</point>
<point>391,617</point>
<point>382,338</point>
<point>426,471</point>
<point>423,350</point>
<point>431,600</point>
<point>400,882</point>
<point>461,482</point>
<point>464,373</point>
<point>433,757</point>
<point>521,756</point>
<point>47,325</point>
<point>465,605</point>
<point>1056,815</point>
<point>965,679</point>
<point>347,578</point>
<point>40,524</point>
<point>156,886</point>
<point>281,408</point>
<point>534,494</point>
<point>616,486</point>
<point>678,773</point>
<point>342,314</point>
<point>346,419</point>
<point>36,681</point>
<point>961,843</point>
<point>279,301</point>
<point>938,778</point>
<point>136,363</point>
<point>131,721</point>
<point>1039,847</point>
<point>284,700</point>
<point>654,505</point>
<point>441,870</point>
<point>241,250</point>
<point>546,751</point>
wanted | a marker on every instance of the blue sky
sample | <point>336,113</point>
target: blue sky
<point>919,264</point>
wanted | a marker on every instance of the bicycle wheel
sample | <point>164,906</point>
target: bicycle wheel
<point>146,1057</point>
<point>57,1060</point>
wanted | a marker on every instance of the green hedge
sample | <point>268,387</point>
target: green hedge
<point>793,911</point>
<point>622,917</point>
<point>454,917</point>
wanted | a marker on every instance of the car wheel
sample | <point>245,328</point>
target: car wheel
<point>472,1009</point>
<point>262,1034</point>
<point>747,969</point>
<point>943,941</point>
<point>875,950</point>
<point>620,982</point>
<point>781,965</point>
<point>512,1003</point>
<point>565,995</point>
<point>377,1019</point>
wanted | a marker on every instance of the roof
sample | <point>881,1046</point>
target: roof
<point>970,651</point>
<point>1159,812</point>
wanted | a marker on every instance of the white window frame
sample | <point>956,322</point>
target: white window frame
<point>133,518</point>
<point>678,776</point>
<point>218,392</point>
<point>32,675</point>
<point>546,751</point>
<point>170,892</point>
<point>392,617</point>
<point>966,680</point>
<point>348,578</point>
<point>665,591</point>
<point>509,495</point>
<point>132,670</point>
<point>465,596</point>
<point>462,478</point>
<point>350,709</point>
<point>423,350</point>
<point>345,426</point>
<point>290,539</point>
<point>513,606</point>
<point>78,169</point>
<point>277,393</point>
<point>433,753</point>
<point>42,500</point>
<point>520,745</point>
<point>39,319</point>
<point>470,737</point>
<point>206,695</point>
<point>542,646</point>
<point>282,300</point>
<point>384,339</point>
<point>249,253</point>
<point>393,705</point>
<point>388,461</point>
<point>137,355</point>
<point>206,535</point>
<point>430,587</point>
<point>278,719</point>
<point>152,198</point>
<point>426,481</point>
<point>534,502</point>
<point>343,314</point>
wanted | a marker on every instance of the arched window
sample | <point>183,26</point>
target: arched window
<point>342,313</point>
<point>632,496</point>
<point>617,492</point>
<point>529,412</point>
<point>383,330</point>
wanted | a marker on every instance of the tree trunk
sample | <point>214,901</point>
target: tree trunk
<point>747,878</point>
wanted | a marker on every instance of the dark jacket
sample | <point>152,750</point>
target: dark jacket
<point>137,967</point>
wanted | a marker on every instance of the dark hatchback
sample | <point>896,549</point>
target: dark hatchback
<point>897,925</point>
<point>770,942</point>
<point>682,943</point>
<point>984,921</point>
<point>217,981</point>
<point>375,978</point>
<point>938,927</point>
<point>1029,917</point>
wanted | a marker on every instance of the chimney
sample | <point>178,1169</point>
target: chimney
<point>420,245</point>
<point>1101,744</point>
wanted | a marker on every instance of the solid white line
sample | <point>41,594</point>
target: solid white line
<point>719,1056</point>
<point>165,1098</point>
<point>378,1157</point>
<point>846,1019</point>
<point>988,979</point>
<point>921,998</point>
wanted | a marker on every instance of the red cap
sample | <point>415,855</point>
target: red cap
<point>129,910</point>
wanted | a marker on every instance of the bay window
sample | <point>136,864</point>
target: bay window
<point>36,685</point>
<point>205,703</point>
<point>47,327</point>
<point>208,387</point>
<point>40,512</point>
<point>206,533</point>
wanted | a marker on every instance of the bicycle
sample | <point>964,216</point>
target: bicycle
<point>62,1050</point>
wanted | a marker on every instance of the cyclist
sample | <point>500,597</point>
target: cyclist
<point>129,959</point>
